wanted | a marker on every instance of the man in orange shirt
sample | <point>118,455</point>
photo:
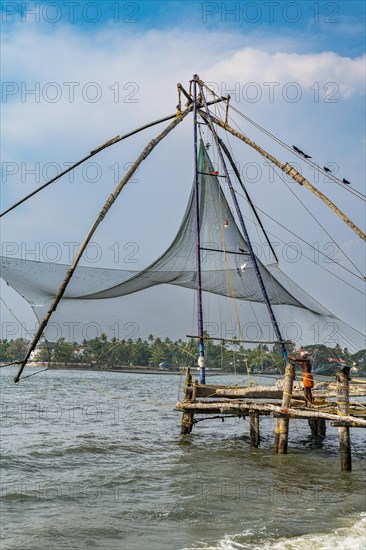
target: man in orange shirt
<point>307,377</point>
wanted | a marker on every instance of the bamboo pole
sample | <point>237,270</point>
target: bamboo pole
<point>98,149</point>
<point>313,423</point>
<point>288,169</point>
<point>317,427</point>
<point>322,427</point>
<point>111,199</point>
<point>201,345</point>
<point>270,392</point>
<point>250,392</point>
<point>282,424</point>
<point>180,87</point>
<point>338,423</point>
<point>237,340</point>
<point>244,230</point>
<point>187,423</point>
<point>256,392</point>
<point>254,428</point>
<point>230,407</point>
<point>187,417</point>
<point>343,409</point>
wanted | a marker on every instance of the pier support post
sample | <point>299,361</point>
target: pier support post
<point>317,427</point>
<point>187,423</point>
<point>313,423</point>
<point>322,427</point>
<point>190,395</point>
<point>254,428</point>
<point>343,410</point>
<point>281,433</point>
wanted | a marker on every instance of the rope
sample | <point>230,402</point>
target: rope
<point>34,373</point>
<point>309,162</point>
<point>218,416</point>
<point>282,179</point>
<point>15,317</point>
<point>234,123</point>
<point>286,146</point>
<point>318,222</point>
<point>304,255</point>
<point>9,364</point>
<point>26,331</point>
<point>233,298</point>
<point>228,145</point>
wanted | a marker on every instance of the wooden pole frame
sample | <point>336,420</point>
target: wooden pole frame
<point>282,424</point>
<point>343,410</point>
<point>241,408</point>
<point>254,428</point>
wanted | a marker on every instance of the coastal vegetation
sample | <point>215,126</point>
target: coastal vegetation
<point>108,353</point>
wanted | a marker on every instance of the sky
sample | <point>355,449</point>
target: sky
<point>75,74</point>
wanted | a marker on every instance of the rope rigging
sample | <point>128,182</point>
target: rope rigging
<point>287,168</point>
<point>300,154</point>
<point>362,277</point>
<point>315,219</point>
<point>322,227</point>
<point>307,243</point>
<point>293,149</point>
<point>255,207</point>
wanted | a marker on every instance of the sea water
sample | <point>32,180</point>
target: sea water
<point>96,460</point>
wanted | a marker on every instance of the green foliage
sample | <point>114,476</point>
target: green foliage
<point>64,352</point>
<point>102,352</point>
<point>4,346</point>
<point>17,349</point>
<point>44,354</point>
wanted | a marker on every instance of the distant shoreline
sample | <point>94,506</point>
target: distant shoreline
<point>137,370</point>
<point>147,370</point>
<point>127,370</point>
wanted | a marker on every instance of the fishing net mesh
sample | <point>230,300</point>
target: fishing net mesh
<point>160,298</point>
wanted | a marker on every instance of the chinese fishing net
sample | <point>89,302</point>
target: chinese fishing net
<point>160,299</point>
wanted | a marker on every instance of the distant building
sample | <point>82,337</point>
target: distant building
<point>50,346</point>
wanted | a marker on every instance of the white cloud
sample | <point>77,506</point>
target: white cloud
<point>149,65</point>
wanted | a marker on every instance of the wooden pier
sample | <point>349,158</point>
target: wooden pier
<point>330,404</point>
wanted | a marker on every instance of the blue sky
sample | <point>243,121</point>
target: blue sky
<point>335,26</point>
<point>77,73</point>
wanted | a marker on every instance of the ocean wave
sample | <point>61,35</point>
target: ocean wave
<point>350,537</point>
